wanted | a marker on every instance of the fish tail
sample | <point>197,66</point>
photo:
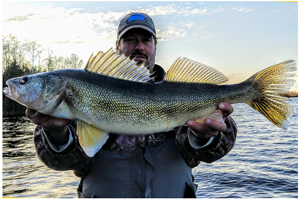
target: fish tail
<point>269,85</point>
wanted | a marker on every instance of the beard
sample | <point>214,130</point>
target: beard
<point>150,62</point>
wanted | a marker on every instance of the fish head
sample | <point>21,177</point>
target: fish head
<point>40,92</point>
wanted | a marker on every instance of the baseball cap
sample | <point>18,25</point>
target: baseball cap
<point>136,20</point>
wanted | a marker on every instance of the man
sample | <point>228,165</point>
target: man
<point>156,165</point>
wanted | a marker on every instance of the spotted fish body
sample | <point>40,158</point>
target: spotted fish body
<point>112,95</point>
<point>127,107</point>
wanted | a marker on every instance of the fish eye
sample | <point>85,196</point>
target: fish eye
<point>23,80</point>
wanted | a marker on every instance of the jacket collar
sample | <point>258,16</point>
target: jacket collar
<point>159,73</point>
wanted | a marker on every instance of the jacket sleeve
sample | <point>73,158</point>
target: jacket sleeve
<point>220,146</point>
<point>72,158</point>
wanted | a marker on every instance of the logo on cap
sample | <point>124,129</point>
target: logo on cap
<point>136,17</point>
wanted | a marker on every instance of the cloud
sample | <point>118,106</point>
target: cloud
<point>243,9</point>
<point>154,11</point>
<point>189,11</point>
<point>200,33</point>
<point>218,10</point>
<point>182,10</point>
<point>197,11</point>
<point>189,25</point>
<point>20,18</point>
<point>162,10</point>
<point>206,37</point>
<point>171,33</point>
<point>60,25</point>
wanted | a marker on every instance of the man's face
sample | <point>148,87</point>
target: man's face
<point>140,45</point>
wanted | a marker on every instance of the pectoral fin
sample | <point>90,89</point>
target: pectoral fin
<point>91,139</point>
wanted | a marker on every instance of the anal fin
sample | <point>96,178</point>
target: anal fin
<point>91,139</point>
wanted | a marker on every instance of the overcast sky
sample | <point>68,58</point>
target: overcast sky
<point>237,38</point>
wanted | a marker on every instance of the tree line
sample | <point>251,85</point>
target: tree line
<point>15,50</point>
<point>27,57</point>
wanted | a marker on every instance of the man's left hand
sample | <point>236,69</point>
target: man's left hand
<point>211,127</point>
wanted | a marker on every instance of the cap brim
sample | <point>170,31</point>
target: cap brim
<point>136,26</point>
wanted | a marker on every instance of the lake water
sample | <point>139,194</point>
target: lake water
<point>263,163</point>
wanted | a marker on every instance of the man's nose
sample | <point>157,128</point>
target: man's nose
<point>139,46</point>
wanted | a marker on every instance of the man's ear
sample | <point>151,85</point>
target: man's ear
<point>117,44</point>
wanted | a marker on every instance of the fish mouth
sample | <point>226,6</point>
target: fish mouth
<point>8,91</point>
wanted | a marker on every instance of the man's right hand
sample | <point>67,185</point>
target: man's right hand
<point>55,128</point>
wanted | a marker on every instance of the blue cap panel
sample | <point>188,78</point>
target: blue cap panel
<point>136,17</point>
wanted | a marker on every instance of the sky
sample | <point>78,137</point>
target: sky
<point>238,38</point>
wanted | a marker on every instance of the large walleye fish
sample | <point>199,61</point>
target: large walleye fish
<point>112,95</point>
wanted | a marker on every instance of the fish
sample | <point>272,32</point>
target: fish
<point>112,94</point>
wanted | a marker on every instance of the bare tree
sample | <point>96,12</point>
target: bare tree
<point>16,51</point>
<point>13,51</point>
<point>21,52</point>
<point>50,60</point>
<point>33,50</point>
<point>7,42</point>
<point>59,62</point>
<point>66,62</point>
<point>75,63</point>
<point>5,52</point>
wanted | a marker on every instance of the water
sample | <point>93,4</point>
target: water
<point>263,163</point>
<point>23,174</point>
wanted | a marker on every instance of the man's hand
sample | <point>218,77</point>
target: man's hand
<point>211,127</point>
<point>55,128</point>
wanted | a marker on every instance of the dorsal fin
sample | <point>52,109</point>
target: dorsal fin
<point>119,66</point>
<point>188,71</point>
